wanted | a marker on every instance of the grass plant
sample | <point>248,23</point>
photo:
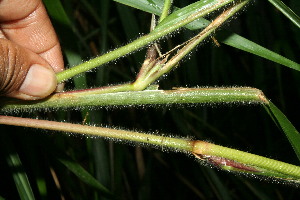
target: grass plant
<point>142,101</point>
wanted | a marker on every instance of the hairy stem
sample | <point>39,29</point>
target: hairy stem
<point>202,8</point>
<point>226,158</point>
<point>147,97</point>
<point>160,68</point>
<point>262,164</point>
<point>113,134</point>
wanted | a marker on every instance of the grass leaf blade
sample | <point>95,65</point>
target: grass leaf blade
<point>290,131</point>
<point>19,175</point>
<point>83,175</point>
<point>244,44</point>
<point>154,6</point>
<point>289,13</point>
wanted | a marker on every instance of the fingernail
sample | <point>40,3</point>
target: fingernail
<point>39,82</point>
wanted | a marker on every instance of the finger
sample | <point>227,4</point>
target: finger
<point>27,24</point>
<point>24,74</point>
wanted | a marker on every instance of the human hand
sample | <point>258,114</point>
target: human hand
<point>30,52</point>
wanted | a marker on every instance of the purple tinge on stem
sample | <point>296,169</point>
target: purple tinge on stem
<point>220,162</point>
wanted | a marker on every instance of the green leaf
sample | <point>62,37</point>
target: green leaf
<point>244,44</point>
<point>63,24</point>
<point>18,172</point>
<point>83,175</point>
<point>151,6</point>
<point>289,13</point>
<point>20,177</point>
<point>156,6</point>
<point>282,121</point>
<point>56,11</point>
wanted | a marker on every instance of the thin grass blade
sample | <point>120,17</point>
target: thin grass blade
<point>152,6</point>
<point>244,44</point>
<point>289,13</point>
<point>83,175</point>
<point>156,7</point>
<point>288,128</point>
<point>19,175</point>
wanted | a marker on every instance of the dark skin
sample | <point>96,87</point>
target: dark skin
<point>30,53</point>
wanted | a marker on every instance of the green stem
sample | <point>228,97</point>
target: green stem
<point>112,134</point>
<point>160,69</point>
<point>203,9</point>
<point>227,157</point>
<point>166,9</point>
<point>146,97</point>
<point>205,148</point>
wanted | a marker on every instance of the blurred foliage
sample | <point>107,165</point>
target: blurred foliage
<point>92,27</point>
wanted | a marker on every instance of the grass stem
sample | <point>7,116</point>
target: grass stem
<point>96,98</point>
<point>223,157</point>
<point>203,9</point>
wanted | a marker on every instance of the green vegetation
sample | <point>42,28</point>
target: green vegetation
<point>257,48</point>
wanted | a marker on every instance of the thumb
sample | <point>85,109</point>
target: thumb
<point>24,74</point>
